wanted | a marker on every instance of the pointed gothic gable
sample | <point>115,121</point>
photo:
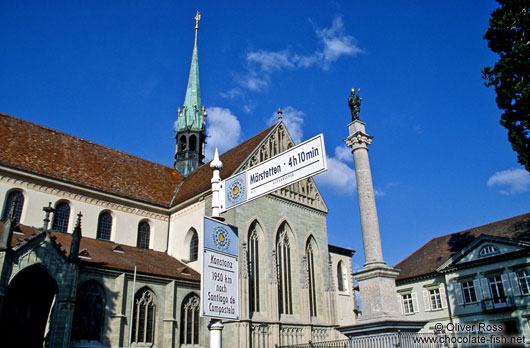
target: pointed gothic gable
<point>304,191</point>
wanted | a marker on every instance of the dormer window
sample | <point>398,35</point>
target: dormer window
<point>488,250</point>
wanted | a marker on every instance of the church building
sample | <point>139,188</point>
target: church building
<point>100,248</point>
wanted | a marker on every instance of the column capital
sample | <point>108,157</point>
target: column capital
<point>358,140</point>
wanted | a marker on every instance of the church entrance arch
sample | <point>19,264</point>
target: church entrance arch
<point>27,308</point>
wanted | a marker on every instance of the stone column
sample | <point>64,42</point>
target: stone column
<point>359,141</point>
<point>376,280</point>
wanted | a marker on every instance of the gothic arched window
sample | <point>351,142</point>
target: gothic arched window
<point>144,233</point>
<point>189,320</point>
<point>194,246</point>
<point>143,330</point>
<point>182,143</point>
<point>283,263</point>
<point>18,207</point>
<point>89,312</point>
<point>104,226</point>
<point>340,277</point>
<point>193,143</point>
<point>61,216</point>
<point>310,259</point>
<point>253,266</point>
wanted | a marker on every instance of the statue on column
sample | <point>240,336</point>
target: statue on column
<point>354,101</point>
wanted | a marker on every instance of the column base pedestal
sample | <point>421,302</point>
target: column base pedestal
<point>377,287</point>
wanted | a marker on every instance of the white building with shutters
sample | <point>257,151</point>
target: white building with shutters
<point>479,275</point>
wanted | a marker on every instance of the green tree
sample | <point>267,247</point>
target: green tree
<point>509,36</point>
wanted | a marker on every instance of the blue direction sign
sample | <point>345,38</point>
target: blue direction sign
<point>220,271</point>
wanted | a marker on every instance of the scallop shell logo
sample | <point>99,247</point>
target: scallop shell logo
<point>236,190</point>
<point>221,238</point>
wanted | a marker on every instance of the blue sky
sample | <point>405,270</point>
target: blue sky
<point>114,72</point>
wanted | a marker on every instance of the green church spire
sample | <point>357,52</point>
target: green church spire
<point>191,129</point>
<point>191,117</point>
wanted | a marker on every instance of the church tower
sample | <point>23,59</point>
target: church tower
<point>191,129</point>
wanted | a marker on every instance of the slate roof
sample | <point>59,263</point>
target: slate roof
<point>43,151</point>
<point>109,255</point>
<point>434,253</point>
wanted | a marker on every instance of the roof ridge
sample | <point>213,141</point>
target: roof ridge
<point>84,140</point>
<point>268,129</point>
<point>481,226</point>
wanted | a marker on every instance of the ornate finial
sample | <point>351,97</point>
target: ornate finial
<point>354,101</point>
<point>179,113</point>
<point>48,210</point>
<point>76,240</point>
<point>78,222</point>
<point>216,162</point>
<point>195,106</point>
<point>280,113</point>
<point>197,19</point>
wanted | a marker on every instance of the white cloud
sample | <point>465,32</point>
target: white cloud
<point>334,43</point>
<point>224,131</point>
<point>343,153</point>
<point>379,192</point>
<point>254,82</point>
<point>339,176</point>
<point>293,120</point>
<point>511,181</point>
<point>231,94</point>
<point>270,61</point>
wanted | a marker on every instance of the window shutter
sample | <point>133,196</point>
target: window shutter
<point>478,290</point>
<point>415,305</point>
<point>426,301</point>
<point>515,284</point>
<point>400,303</point>
<point>506,284</point>
<point>443,298</point>
<point>485,288</point>
<point>458,293</point>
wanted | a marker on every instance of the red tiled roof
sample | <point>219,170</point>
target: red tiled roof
<point>47,152</point>
<point>107,255</point>
<point>438,250</point>
<point>199,180</point>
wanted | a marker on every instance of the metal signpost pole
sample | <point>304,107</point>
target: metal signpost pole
<point>215,326</point>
